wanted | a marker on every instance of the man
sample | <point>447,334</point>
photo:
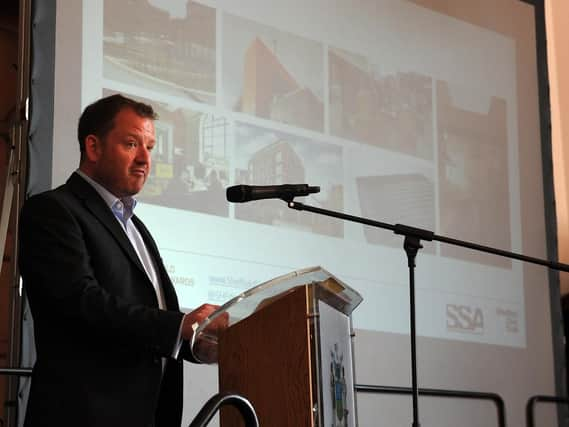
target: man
<point>108,329</point>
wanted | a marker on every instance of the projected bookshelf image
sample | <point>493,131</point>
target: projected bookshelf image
<point>397,199</point>
<point>266,157</point>
<point>165,48</point>
<point>388,110</point>
<point>271,74</point>
<point>473,177</point>
<point>190,164</point>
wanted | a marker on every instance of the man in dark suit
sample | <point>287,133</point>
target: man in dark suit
<point>108,330</point>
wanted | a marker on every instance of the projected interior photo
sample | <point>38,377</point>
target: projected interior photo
<point>391,110</point>
<point>267,157</point>
<point>160,46</point>
<point>272,74</point>
<point>473,177</point>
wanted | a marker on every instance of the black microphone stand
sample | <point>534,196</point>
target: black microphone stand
<point>412,244</point>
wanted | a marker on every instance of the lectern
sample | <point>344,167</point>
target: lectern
<point>288,349</point>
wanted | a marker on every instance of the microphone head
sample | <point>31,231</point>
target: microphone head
<point>286,192</point>
<point>238,193</point>
<point>312,190</point>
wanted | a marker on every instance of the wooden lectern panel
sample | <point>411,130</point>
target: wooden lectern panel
<point>266,358</point>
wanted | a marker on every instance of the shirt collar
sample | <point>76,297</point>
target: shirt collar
<point>122,208</point>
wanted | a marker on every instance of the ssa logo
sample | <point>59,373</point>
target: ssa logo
<point>465,318</point>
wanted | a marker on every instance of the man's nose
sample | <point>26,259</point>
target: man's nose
<point>143,154</point>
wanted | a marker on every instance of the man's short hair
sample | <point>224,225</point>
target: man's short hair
<point>98,118</point>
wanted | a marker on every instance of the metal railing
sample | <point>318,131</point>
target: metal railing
<point>532,401</point>
<point>457,394</point>
<point>19,372</point>
<point>249,415</point>
<point>216,402</point>
<point>205,414</point>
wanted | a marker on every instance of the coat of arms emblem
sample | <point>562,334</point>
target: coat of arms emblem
<point>338,388</point>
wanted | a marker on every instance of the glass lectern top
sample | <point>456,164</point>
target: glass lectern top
<point>204,341</point>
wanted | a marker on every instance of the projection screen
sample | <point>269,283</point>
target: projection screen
<point>425,113</point>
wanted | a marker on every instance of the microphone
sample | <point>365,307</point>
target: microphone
<point>286,192</point>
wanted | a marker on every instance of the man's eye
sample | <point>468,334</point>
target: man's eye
<point>131,144</point>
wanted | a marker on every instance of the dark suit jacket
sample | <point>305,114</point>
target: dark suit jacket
<point>98,331</point>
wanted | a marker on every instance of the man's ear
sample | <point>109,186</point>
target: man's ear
<point>92,148</point>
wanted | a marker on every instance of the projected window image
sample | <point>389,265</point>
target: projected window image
<point>272,74</point>
<point>171,50</point>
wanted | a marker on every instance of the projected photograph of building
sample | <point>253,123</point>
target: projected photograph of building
<point>272,75</point>
<point>407,199</point>
<point>473,177</point>
<point>161,47</point>
<point>388,110</point>
<point>266,157</point>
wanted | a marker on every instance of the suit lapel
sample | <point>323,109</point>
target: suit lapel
<point>96,205</point>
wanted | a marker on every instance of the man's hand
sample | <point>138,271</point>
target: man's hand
<point>195,317</point>
<point>205,346</point>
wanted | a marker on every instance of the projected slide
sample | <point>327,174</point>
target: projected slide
<point>389,124</point>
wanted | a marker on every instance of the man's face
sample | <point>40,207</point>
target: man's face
<point>122,159</point>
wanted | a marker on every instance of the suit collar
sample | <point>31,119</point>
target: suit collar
<point>110,199</point>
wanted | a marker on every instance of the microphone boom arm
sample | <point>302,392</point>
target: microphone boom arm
<point>427,235</point>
